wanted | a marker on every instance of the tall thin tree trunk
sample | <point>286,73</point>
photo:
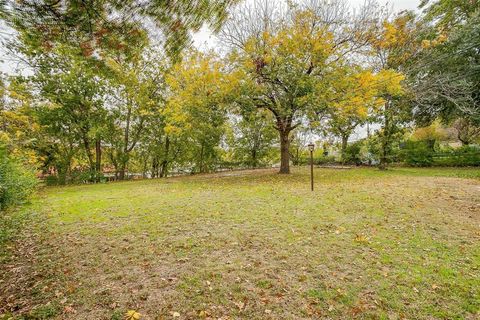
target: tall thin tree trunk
<point>284,152</point>
<point>98,158</point>
<point>154,170</point>
<point>88,151</point>
<point>385,140</point>
<point>344,146</point>
<point>123,167</point>
<point>125,156</point>
<point>164,167</point>
<point>201,159</point>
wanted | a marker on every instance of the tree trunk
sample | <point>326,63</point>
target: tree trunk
<point>385,141</point>
<point>114,162</point>
<point>284,152</point>
<point>121,172</point>
<point>123,167</point>
<point>88,151</point>
<point>254,158</point>
<point>201,159</point>
<point>98,158</point>
<point>344,146</point>
<point>164,168</point>
<point>124,156</point>
<point>145,168</point>
<point>154,171</point>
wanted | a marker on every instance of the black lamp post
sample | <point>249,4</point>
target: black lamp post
<point>311,147</point>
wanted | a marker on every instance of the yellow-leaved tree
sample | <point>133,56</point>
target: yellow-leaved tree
<point>199,89</point>
<point>392,43</point>
<point>18,127</point>
<point>352,97</point>
<point>283,68</point>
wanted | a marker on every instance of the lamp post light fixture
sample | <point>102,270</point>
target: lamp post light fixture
<point>311,147</point>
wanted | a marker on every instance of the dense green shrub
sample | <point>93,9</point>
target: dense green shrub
<point>54,180</point>
<point>353,153</point>
<point>461,157</point>
<point>424,154</point>
<point>324,160</point>
<point>417,153</point>
<point>16,181</point>
<point>317,160</point>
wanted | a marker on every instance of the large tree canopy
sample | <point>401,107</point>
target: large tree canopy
<point>95,25</point>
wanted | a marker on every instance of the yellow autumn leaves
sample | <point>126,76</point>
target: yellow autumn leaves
<point>132,315</point>
<point>304,65</point>
<point>354,92</point>
<point>290,46</point>
<point>197,86</point>
<point>441,38</point>
<point>17,128</point>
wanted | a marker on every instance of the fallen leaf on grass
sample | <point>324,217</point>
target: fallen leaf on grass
<point>360,238</point>
<point>69,309</point>
<point>240,305</point>
<point>132,315</point>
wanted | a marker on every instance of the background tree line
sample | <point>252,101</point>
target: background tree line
<point>116,87</point>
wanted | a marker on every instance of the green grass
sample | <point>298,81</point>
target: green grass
<point>366,244</point>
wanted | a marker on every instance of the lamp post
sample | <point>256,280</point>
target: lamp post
<point>311,147</point>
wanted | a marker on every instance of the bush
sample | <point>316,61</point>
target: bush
<point>461,157</point>
<point>16,181</point>
<point>324,160</point>
<point>320,160</point>
<point>417,153</point>
<point>353,153</point>
<point>425,154</point>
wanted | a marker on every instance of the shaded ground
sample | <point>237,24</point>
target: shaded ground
<point>365,244</point>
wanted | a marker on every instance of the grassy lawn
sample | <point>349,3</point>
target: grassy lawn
<point>366,244</point>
